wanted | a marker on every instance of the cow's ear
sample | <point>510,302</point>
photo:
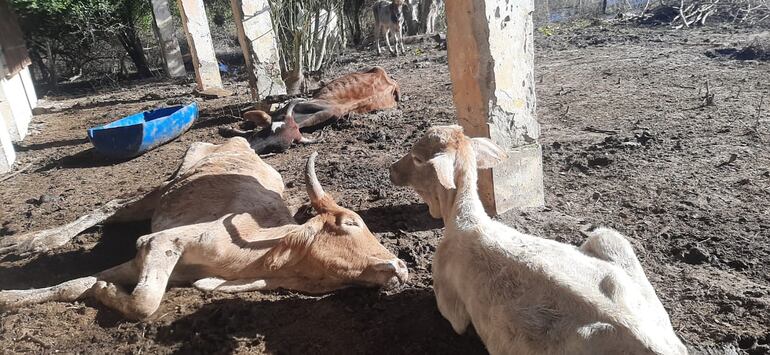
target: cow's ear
<point>292,247</point>
<point>488,154</point>
<point>445,170</point>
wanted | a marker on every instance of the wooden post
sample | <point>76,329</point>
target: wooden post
<point>163,24</point>
<point>196,28</point>
<point>491,63</point>
<point>259,45</point>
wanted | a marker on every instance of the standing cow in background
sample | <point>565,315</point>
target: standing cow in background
<point>389,17</point>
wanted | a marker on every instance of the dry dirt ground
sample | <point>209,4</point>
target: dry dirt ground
<point>627,141</point>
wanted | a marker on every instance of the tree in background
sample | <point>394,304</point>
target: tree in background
<point>309,32</point>
<point>69,34</point>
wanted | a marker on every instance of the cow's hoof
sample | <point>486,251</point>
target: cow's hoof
<point>10,299</point>
<point>103,289</point>
<point>208,284</point>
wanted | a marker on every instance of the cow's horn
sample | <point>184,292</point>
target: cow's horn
<point>314,189</point>
<point>290,110</point>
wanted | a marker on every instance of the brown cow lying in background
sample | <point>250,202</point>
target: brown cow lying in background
<point>356,92</point>
<point>221,224</point>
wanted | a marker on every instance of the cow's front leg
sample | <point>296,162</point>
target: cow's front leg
<point>387,41</point>
<point>401,40</point>
<point>306,140</point>
<point>264,284</point>
<point>378,34</point>
<point>452,308</point>
<point>228,132</point>
<point>157,257</point>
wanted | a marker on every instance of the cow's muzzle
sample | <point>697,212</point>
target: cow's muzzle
<point>394,271</point>
<point>398,173</point>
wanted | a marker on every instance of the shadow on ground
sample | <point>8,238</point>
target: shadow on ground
<point>362,321</point>
<point>115,244</point>
<point>402,218</point>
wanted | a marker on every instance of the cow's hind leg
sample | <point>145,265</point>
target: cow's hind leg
<point>69,291</point>
<point>118,210</point>
<point>611,246</point>
<point>156,259</point>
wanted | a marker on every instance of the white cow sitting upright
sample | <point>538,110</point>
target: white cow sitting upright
<point>524,294</point>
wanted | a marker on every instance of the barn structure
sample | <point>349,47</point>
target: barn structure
<point>17,94</point>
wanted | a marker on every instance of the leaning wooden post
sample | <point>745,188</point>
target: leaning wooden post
<point>163,24</point>
<point>491,63</point>
<point>196,28</point>
<point>259,45</point>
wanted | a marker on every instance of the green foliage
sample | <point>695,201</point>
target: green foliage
<point>547,30</point>
<point>79,31</point>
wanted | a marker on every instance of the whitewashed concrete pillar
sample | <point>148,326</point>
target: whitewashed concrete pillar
<point>491,63</point>
<point>7,154</point>
<point>163,23</point>
<point>259,45</point>
<point>196,28</point>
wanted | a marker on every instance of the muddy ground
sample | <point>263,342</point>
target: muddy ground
<point>627,141</point>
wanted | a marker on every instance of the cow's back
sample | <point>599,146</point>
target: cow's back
<point>531,295</point>
<point>381,13</point>
<point>362,92</point>
<point>215,180</point>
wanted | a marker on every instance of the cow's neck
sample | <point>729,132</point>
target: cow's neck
<point>462,205</point>
<point>394,12</point>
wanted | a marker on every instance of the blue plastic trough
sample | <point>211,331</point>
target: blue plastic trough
<point>133,135</point>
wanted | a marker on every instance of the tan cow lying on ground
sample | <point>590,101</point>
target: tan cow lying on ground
<point>356,92</point>
<point>221,224</point>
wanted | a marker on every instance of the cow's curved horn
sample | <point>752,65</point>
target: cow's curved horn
<point>314,189</point>
<point>290,110</point>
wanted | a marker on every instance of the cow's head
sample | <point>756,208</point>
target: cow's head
<point>433,163</point>
<point>258,117</point>
<point>279,136</point>
<point>396,9</point>
<point>336,249</point>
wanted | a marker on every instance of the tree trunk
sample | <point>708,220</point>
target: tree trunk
<point>45,73</point>
<point>53,78</point>
<point>133,47</point>
<point>352,12</point>
<point>423,14</point>
<point>411,22</point>
<point>294,82</point>
<point>130,41</point>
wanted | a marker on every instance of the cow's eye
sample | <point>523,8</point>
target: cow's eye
<point>417,160</point>
<point>350,223</point>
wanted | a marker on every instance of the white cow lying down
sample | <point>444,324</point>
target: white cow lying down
<point>521,293</point>
<point>221,224</point>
